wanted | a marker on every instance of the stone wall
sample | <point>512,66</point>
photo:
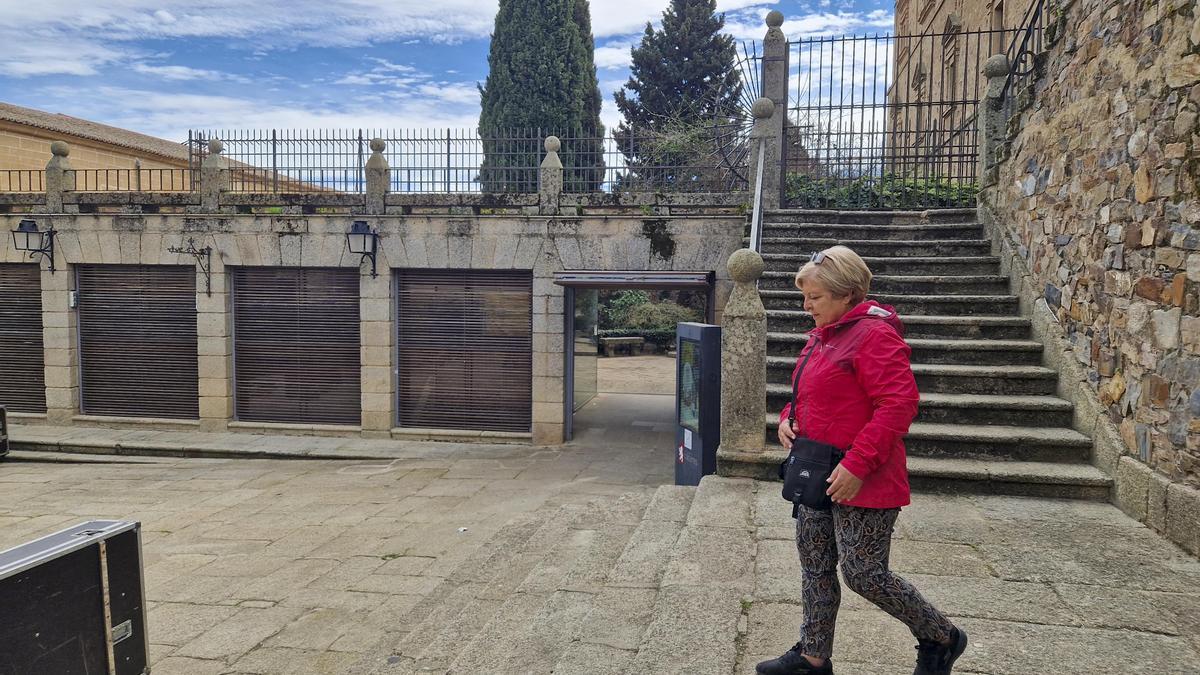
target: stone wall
<point>1096,197</point>
<point>538,243</point>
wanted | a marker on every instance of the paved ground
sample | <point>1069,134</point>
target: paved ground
<point>306,566</point>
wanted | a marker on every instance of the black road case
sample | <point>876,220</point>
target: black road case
<point>74,603</point>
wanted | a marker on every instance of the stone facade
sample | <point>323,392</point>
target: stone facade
<point>533,242</point>
<point>1095,196</point>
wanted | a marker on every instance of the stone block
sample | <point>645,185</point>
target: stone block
<point>60,377</point>
<point>545,433</point>
<point>212,366</point>
<point>376,380</point>
<point>377,420</point>
<point>216,407</point>
<point>375,333</point>
<point>1183,517</point>
<point>214,346</point>
<point>1156,502</point>
<point>59,357</point>
<point>1133,487</point>
<point>212,325</point>
<point>62,398</point>
<point>214,387</point>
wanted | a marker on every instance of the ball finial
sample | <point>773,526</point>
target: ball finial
<point>996,66</point>
<point>553,144</point>
<point>745,266</point>
<point>216,147</point>
<point>60,149</point>
<point>377,145</point>
<point>763,108</point>
<point>774,18</point>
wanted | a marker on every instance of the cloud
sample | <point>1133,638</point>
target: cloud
<point>613,55</point>
<point>184,73</point>
<point>812,25</point>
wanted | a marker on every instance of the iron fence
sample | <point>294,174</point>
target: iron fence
<point>135,180</point>
<point>703,157</point>
<point>883,121</point>
<point>22,180</point>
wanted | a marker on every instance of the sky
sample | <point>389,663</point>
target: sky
<point>162,67</point>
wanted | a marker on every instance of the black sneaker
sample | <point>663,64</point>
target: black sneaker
<point>934,658</point>
<point>793,663</point>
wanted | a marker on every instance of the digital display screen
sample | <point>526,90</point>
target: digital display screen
<point>689,385</point>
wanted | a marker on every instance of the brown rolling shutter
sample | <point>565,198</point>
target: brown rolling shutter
<point>465,349</point>
<point>137,341</point>
<point>296,341</point>
<point>22,374</point>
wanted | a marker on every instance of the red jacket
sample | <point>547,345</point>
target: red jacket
<point>858,393</point>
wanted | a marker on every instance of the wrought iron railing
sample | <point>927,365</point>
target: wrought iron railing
<point>1026,44</point>
<point>22,180</point>
<point>882,121</point>
<point>130,180</point>
<point>706,156</point>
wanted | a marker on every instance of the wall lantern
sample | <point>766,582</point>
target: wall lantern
<point>27,237</point>
<point>363,241</point>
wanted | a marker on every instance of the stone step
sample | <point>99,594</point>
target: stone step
<point>931,305</point>
<point>867,247</point>
<point>908,285</point>
<point>958,475</point>
<point>940,408</point>
<point>695,620</point>
<point>939,351</point>
<point>954,379</point>
<point>781,228</point>
<point>920,327</point>
<point>981,441</point>
<point>532,625</point>
<point>623,608</point>
<point>871,217</point>
<point>931,265</point>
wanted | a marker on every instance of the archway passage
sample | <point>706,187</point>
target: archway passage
<point>619,348</point>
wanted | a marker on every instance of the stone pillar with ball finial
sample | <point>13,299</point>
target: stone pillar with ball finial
<point>59,177</point>
<point>743,359</point>
<point>214,179</point>
<point>550,178</point>
<point>377,171</point>
<point>775,88</point>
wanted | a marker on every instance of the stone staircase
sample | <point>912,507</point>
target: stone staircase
<point>990,420</point>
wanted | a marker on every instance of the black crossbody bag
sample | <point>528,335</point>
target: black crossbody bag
<point>808,466</point>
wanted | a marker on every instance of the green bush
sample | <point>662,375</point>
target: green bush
<point>615,308</point>
<point>659,316</point>
<point>887,191</point>
<point>663,339</point>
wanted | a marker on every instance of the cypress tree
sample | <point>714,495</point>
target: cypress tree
<point>541,81</point>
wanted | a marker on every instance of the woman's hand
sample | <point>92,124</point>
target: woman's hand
<point>786,435</point>
<point>843,485</point>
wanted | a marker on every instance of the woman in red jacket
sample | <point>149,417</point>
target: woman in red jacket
<point>857,393</point>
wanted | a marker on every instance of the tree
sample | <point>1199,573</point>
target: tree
<point>686,72</point>
<point>683,81</point>
<point>541,81</point>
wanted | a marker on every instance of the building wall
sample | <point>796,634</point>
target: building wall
<point>23,147</point>
<point>1096,198</point>
<point>541,244</point>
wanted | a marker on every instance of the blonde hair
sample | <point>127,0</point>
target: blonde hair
<point>841,271</point>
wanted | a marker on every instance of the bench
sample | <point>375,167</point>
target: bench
<point>612,345</point>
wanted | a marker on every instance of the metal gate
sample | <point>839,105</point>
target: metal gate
<point>887,121</point>
<point>137,341</point>
<point>464,343</point>
<point>297,352</point>
<point>22,373</point>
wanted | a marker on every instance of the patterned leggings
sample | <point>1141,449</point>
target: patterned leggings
<point>861,539</point>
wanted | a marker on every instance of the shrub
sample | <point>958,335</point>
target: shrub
<point>887,191</point>
<point>659,316</point>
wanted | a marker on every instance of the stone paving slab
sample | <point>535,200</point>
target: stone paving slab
<point>271,566</point>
